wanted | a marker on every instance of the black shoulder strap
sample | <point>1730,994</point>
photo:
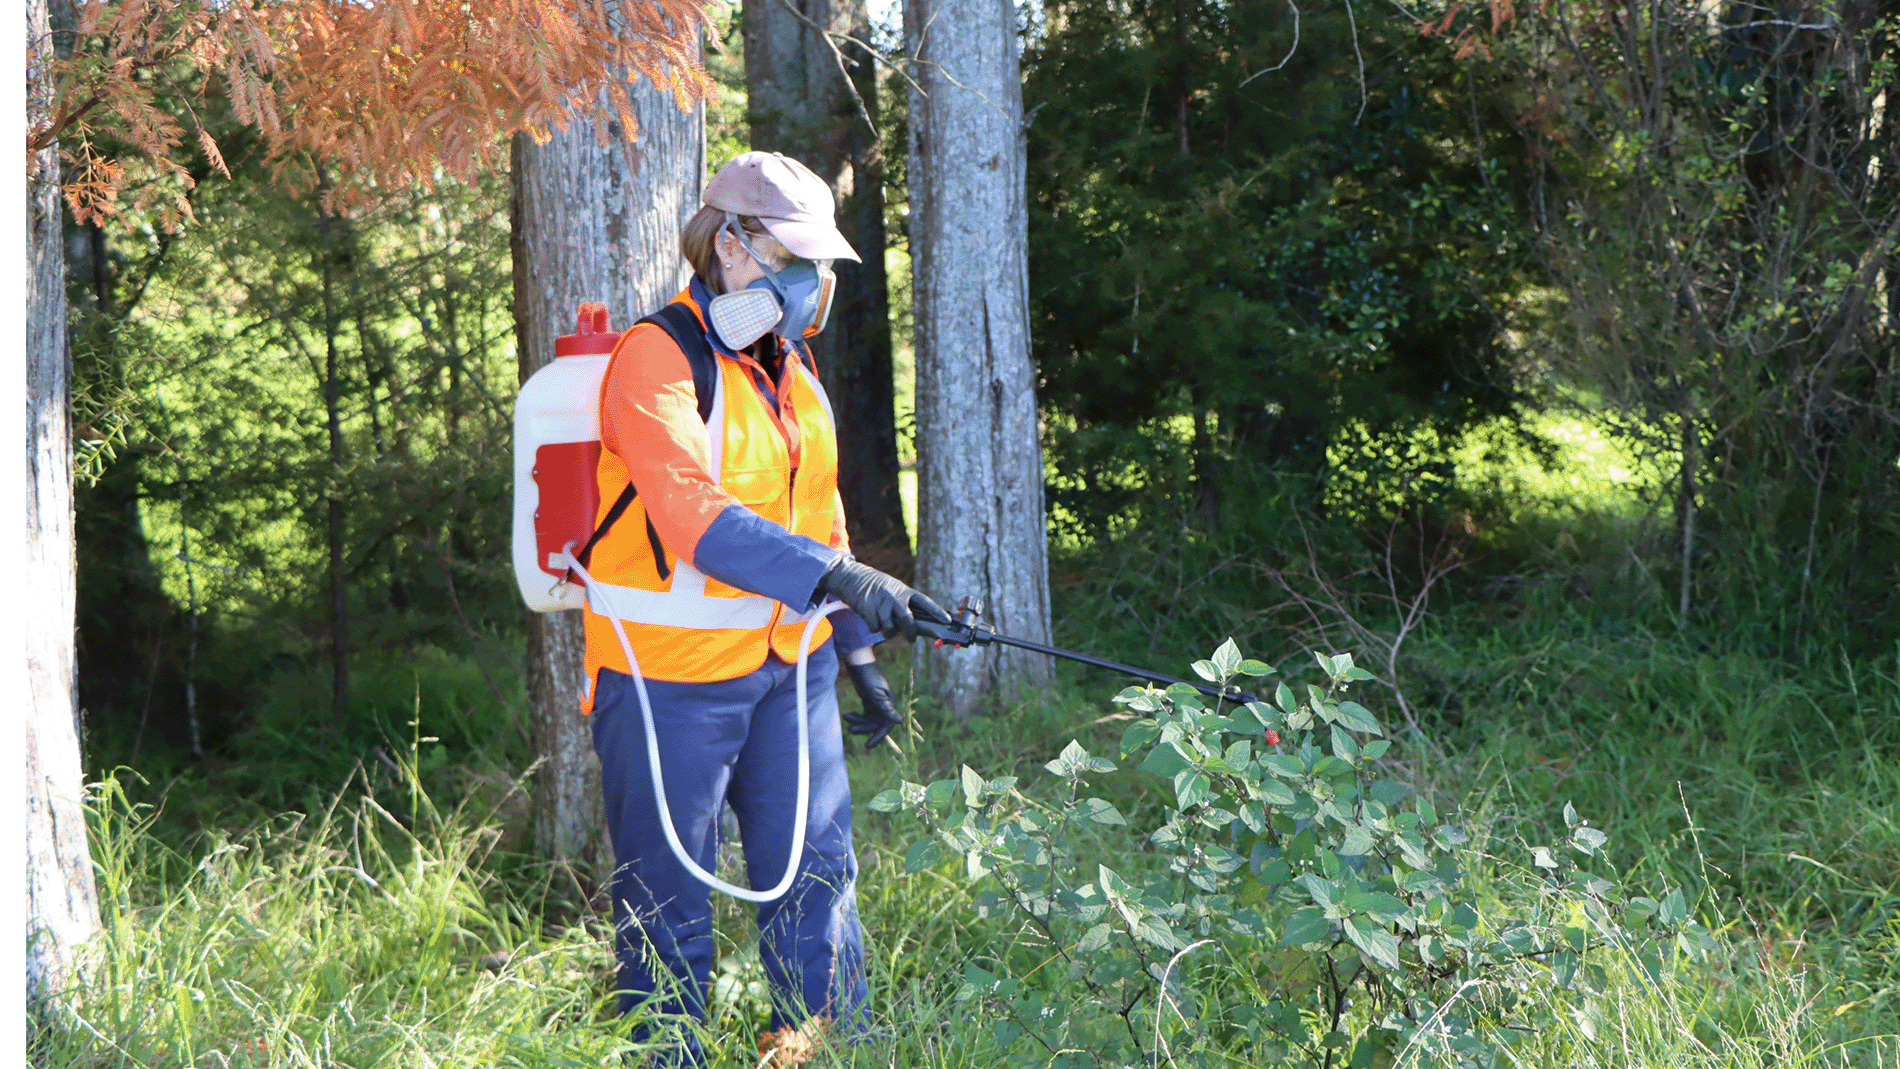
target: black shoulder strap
<point>683,327</point>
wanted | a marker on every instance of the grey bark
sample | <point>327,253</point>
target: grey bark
<point>979,457</point>
<point>62,903</point>
<point>798,103</point>
<point>590,224</point>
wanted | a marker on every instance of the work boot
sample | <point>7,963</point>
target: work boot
<point>792,1044</point>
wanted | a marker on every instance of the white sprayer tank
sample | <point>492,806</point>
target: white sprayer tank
<point>557,443</point>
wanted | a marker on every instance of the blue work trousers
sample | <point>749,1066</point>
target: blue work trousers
<point>734,742</point>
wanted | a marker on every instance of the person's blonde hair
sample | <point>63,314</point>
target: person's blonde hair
<point>698,243</point>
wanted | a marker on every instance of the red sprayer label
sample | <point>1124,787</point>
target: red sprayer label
<point>569,499</point>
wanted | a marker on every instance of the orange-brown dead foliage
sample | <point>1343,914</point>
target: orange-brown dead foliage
<point>376,94</point>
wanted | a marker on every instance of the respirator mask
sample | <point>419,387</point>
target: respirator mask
<point>792,301</point>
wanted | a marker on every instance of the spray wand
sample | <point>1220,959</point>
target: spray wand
<point>967,629</point>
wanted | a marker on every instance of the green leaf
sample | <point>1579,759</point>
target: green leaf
<point>921,855</point>
<point>1139,734</point>
<point>1254,817</point>
<point>1285,765</point>
<point>1273,792</point>
<point>1412,847</point>
<point>1165,760</point>
<point>887,801</point>
<point>1191,785</point>
<point>1227,658</point>
<point>1358,841</point>
<point>1570,815</point>
<point>1375,749</point>
<point>1447,837</point>
<point>1674,909</point>
<point>1325,662</point>
<point>1324,891</point>
<point>1094,939</point>
<point>1307,925</point>
<point>1140,699</point>
<point>1343,747</point>
<point>1275,872</point>
<point>1157,932</point>
<point>1587,840</point>
<point>1283,697</point>
<point>1266,715</point>
<point>1206,670</point>
<point>972,787</point>
<point>1332,766</point>
<point>1007,1032</point>
<point>1356,674</point>
<point>1382,907</point>
<point>1252,667</point>
<point>1100,812</point>
<point>1356,717</point>
<point>1341,665</point>
<point>1071,760</point>
<point>939,793</point>
<point>1374,941</point>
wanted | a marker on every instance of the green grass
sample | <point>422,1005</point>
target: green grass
<point>363,933</point>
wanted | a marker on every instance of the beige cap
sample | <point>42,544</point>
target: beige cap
<point>794,204</point>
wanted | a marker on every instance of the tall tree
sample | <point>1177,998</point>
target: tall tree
<point>801,101</point>
<point>318,81</point>
<point>592,222</point>
<point>979,458</point>
<point>62,902</point>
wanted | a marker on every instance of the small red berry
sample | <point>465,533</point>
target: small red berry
<point>1273,737</point>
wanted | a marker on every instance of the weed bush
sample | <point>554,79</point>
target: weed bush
<point>1347,922</point>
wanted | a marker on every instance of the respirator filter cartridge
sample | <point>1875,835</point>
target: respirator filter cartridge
<point>744,317</point>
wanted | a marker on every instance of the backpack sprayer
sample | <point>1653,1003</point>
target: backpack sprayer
<point>967,629</point>
<point>557,444</point>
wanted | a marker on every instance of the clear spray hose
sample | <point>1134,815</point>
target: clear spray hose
<point>659,782</point>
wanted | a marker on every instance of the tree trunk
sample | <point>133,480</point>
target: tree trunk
<point>979,457</point>
<point>798,103</point>
<point>333,505</point>
<point>590,224</point>
<point>62,905</point>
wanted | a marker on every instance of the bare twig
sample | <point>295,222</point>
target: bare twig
<point>1328,608</point>
<point>1160,1044</point>
<point>831,41</point>
<point>1353,22</point>
<point>1284,60</point>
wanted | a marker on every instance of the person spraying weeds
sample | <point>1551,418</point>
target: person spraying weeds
<point>719,595</point>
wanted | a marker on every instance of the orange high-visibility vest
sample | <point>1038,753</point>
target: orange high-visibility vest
<point>689,627</point>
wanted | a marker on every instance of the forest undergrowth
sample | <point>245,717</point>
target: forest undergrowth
<point>373,900</point>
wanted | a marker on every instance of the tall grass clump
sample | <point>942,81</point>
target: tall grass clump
<point>347,937</point>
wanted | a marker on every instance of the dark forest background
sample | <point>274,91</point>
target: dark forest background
<point>1613,342</point>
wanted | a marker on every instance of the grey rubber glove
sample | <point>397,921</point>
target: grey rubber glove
<point>880,716</point>
<point>884,602</point>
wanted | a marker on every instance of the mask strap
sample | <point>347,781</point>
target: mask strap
<point>737,231</point>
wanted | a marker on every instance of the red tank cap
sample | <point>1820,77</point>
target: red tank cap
<point>591,336</point>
